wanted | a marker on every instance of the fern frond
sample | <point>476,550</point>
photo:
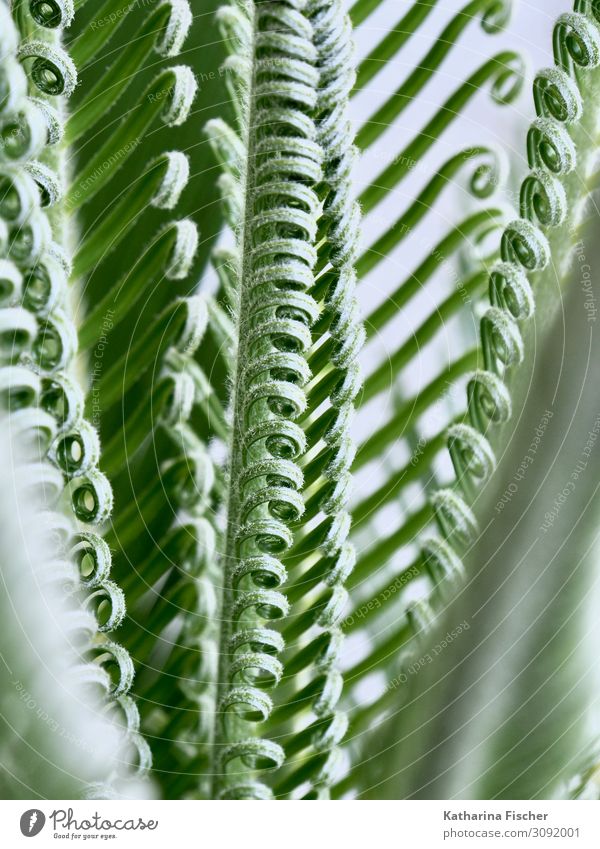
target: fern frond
<point>44,339</point>
<point>251,621</point>
<point>172,336</point>
<point>551,198</point>
<point>57,738</point>
<point>297,234</point>
<point>511,685</point>
<point>276,254</point>
<point>535,251</point>
<point>328,462</point>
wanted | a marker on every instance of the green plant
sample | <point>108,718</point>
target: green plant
<point>220,503</point>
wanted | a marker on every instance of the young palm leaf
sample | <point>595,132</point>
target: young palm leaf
<point>221,508</point>
<point>535,252</point>
<point>43,390</point>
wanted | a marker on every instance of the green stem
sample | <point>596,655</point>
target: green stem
<point>232,497</point>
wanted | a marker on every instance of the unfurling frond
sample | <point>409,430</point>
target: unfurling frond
<point>298,336</point>
<point>263,485</point>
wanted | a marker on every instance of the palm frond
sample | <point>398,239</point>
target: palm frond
<point>218,528</point>
<point>535,252</point>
